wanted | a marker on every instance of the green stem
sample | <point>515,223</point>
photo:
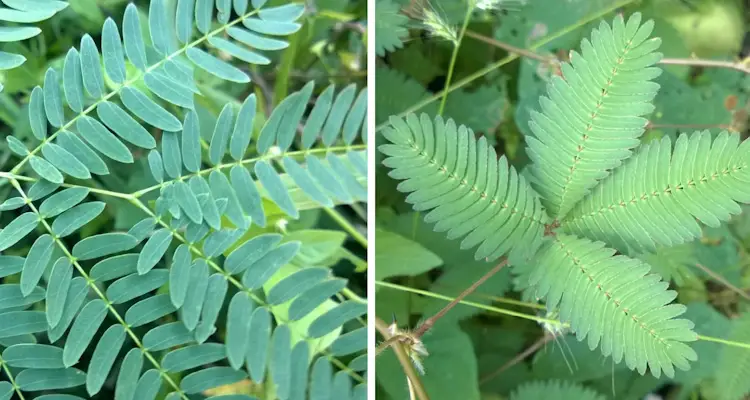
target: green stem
<point>454,57</point>
<point>11,380</point>
<point>348,227</point>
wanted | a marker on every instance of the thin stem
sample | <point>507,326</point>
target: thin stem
<point>454,57</point>
<point>724,341</point>
<point>517,359</point>
<point>697,62</point>
<point>348,227</point>
<point>11,379</point>
<point>509,48</point>
<point>403,359</point>
<point>723,281</point>
<point>10,175</point>
<point>505,300</point>
<point>430,322</point>
<point>510,58</point>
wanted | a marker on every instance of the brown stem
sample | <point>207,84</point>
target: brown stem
<point>430,322</point>
<point>518,358</point>
<point>509,48</point>
<point>696,62</point>
<point>723,281</point>
<point>411,374</point>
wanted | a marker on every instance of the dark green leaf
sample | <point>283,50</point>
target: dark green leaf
<point>57,290</point>
<point>154,250</point>
<point>36,263</point>
<point>83,330</point>
<point>104,357</point>
<point>78,216</point>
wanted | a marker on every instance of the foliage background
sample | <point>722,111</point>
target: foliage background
<point>469,344</point>
<point>329,49</point>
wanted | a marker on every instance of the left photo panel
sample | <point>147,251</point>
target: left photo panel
<point>183,200</point>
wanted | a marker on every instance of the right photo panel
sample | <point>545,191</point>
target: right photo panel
<point>561,199</point>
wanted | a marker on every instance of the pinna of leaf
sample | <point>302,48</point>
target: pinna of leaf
<point>592,201</point>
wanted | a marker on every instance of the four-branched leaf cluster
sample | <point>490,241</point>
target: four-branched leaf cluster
<point>198,294</point>
<point>593,200</point>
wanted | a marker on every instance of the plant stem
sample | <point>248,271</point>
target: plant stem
<point>348,227</point>
<point>403,359</point>
<point>430,322</point>
<point>509,48</point>
<point>454,57</point>
<point>723,281</point>
<point>517,359</point>
<point>697,62</point>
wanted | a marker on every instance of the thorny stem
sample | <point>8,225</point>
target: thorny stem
<point>411,375</point>
<point>454,57</point>
<point>430,322</point>
<point>518,358</point>
<point>723,281</point>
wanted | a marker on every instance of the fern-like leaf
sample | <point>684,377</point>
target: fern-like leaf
<point>612,300</point>
<point>390,27</point>
<point>656,196</point>
<point>591,119</point>
<point>467,188</point>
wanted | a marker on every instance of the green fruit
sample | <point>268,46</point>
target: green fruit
<point>714,29</point>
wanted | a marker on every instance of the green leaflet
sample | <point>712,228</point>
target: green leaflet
<point>275,188</point>
<point>149,310</point>
<point>215,294</point>
<point>98,136</point>
<point>298,370</point>
<point>104,358</point>
<point>114,57</point>
<point>48,379</point>
<point>133,38</point>
<point>17,146</point>
<point>258,343</point>
<point>191,308</point>
<point>125,126</point>
<point>46,170</point>
<point>18,33</point>
<point>16,323</point>
<point>208,378</point>
<point>41,189</point>
<point>221,188</point>
<point>276,28</point>
<point>326,178</point>
<point>12,203</point>
<point>148,386</point>
<point>82,152</point>
<point>83,330</point>
<point>184,20</point>
<point>130,370</point>
<point>281,359</point>
<point>154,250</point>
<point>114,267</point>
<point>62,201</point>
<point>190,357</point>
<point>218,242</point>
<point>91,70</point>
<point>356,118</point>
<point>36,263</point>
<point>73,301</point>
<point>17,229</point>
<point>158,25</point>
<point>32,355</point>
<point>147,110</point>
<point>321,380</point>
<point>302,178</point>
<point>335,119</point>
<point>350,342</point>
<point>57,290</point>
<point>156,165</point>
<point>247,194</point>
<point>103,245</point>
<point>37,114</point>
<point>64,161</point>
<point>134,285</point>
<point>250,252</point>
<point>52,99</point>
<point>342,386</point>
<point>215,66</point>
<point>220,137</point>
<point>188,202</point>
<point>203,14</point>
<point>296,283</point>
<point>142,229</point>
<point>191,141</point>
<point>256,41</point>
<point>167,336</point>
<point>170,150</point>
<point>309,300</point>
<point>238,51</point>
<point>238,328</point>
<point>10,61</point>
<point>14,298</point>
<point>72,80</point>
<point>243,128</point>
<point>168,89</point>
<point>76,217</point>
<point>262,270</point>
<point>179,275</point>
<point>336,317</point>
